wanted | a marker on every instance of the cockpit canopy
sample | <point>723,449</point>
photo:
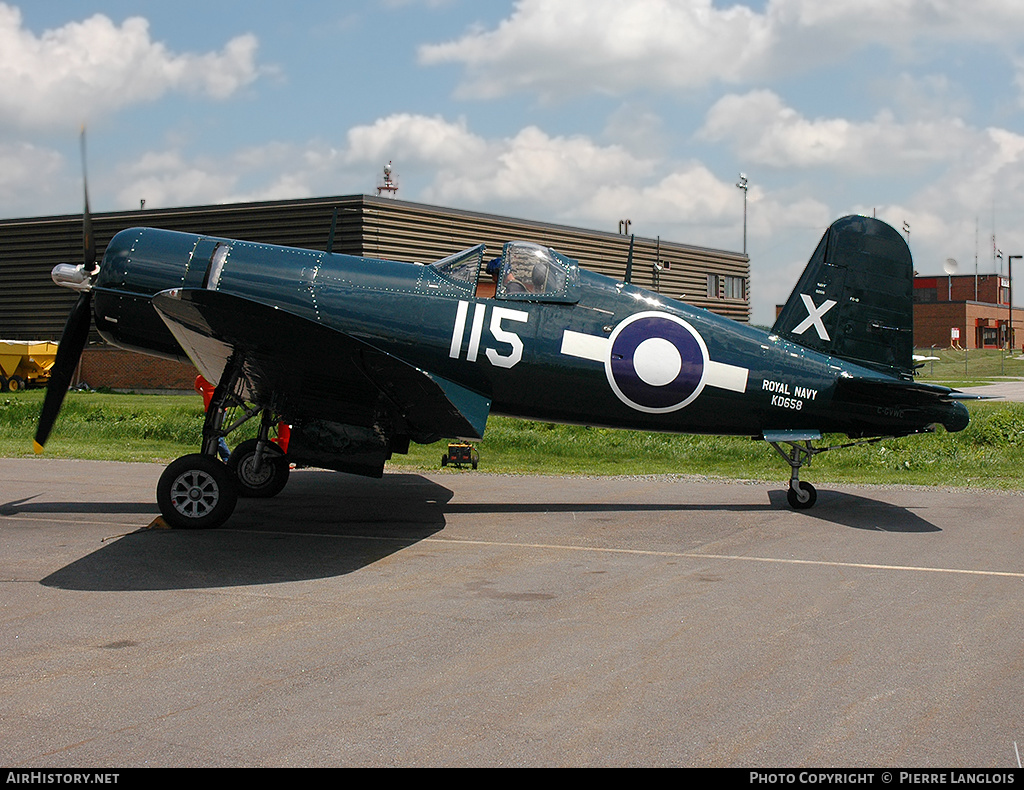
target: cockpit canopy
<point>536,273</point>
<point>462,267</point>
<point>525,272</point>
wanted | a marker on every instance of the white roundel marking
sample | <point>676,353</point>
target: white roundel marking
<point>657,362</point>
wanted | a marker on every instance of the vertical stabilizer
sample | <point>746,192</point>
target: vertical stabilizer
<point>855,298</point>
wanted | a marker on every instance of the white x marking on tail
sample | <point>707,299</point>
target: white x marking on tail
<point>814,315</point>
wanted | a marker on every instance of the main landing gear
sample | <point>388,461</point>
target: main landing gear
<point>260,467</point>
<point>196,491</point>
<point>199,491</point>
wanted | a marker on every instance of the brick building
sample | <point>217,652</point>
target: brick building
<point>964,311</point>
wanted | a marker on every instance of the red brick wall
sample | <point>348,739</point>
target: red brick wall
<point>119,369</point>
<point>961,288</point>
<point>933,321</point>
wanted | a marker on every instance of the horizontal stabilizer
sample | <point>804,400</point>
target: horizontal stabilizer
<point>889,389</point>
<point>932,403</point>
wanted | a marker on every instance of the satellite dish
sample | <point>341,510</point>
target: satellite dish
<point>950,266</point>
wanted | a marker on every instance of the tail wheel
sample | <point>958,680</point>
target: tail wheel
<point>265,481</point>
<point>803,497</point>
<point>196,492</point>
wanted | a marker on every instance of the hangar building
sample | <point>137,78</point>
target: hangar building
<point>33,308</point>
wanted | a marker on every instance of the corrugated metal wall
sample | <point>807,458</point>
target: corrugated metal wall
<point>33,308</point>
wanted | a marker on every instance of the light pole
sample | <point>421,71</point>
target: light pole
<point>1009,280</point>
<point>742,184</point>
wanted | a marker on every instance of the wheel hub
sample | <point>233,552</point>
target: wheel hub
<point>194,494</point>
<point>252,475</point>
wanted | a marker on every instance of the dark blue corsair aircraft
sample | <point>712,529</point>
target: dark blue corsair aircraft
<point>414,353</point>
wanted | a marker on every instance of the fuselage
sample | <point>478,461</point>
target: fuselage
<point>595,352</point>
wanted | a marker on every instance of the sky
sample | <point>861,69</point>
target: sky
<point>579,112</point>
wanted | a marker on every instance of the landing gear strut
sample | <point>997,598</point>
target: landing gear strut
<point>199,491</point>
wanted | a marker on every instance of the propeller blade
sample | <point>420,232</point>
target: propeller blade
<point>76,330</point>
<point>72,341</point>
<point>88,240</point>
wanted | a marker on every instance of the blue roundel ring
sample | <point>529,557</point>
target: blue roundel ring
<point>656,362</point>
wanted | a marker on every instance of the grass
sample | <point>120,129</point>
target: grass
<point>969,368</point>
<point>105,426</point>
<point>159,428</point>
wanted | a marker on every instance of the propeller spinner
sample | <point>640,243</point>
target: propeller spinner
<point>76,330</point>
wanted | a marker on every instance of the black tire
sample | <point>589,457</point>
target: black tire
<point>272,474</point>
<point>196,492</point>
<point>3,383</point>
<point>16,384</point>
<point>805,499</point>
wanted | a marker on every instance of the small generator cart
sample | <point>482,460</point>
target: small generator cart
<point>459,454</point>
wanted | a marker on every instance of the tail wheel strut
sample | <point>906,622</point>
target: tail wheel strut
<point>801,495</point>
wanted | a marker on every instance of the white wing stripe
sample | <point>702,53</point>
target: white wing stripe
<point>726,377</point>
<point>577,344</point>
<point>595,348</point>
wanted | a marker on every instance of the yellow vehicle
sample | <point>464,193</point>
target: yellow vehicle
<point>25,364</point>
<point>460,453</point>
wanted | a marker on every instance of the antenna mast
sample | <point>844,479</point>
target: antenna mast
<point>390,182</point>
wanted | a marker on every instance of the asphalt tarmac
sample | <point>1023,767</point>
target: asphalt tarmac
<point>467,619</point>
<point>1012,390</point>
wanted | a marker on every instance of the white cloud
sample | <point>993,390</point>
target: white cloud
<point>417,138</point>
<point>166,179</point>
<point>27,168</point>
<point>457,167</point>
<point>606,46</point>
<point>276,171</point>
<point>533,168</point>
<point>989,176</point>
<point>765,131</point>
<point>689,195</point>
<point>92,67</point>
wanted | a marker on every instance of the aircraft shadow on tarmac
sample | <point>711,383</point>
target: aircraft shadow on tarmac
<point>322,525</point>
<point>325,524</point>
<point>840,508</point>
<point>857,512</point>
<point>27,505</point>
